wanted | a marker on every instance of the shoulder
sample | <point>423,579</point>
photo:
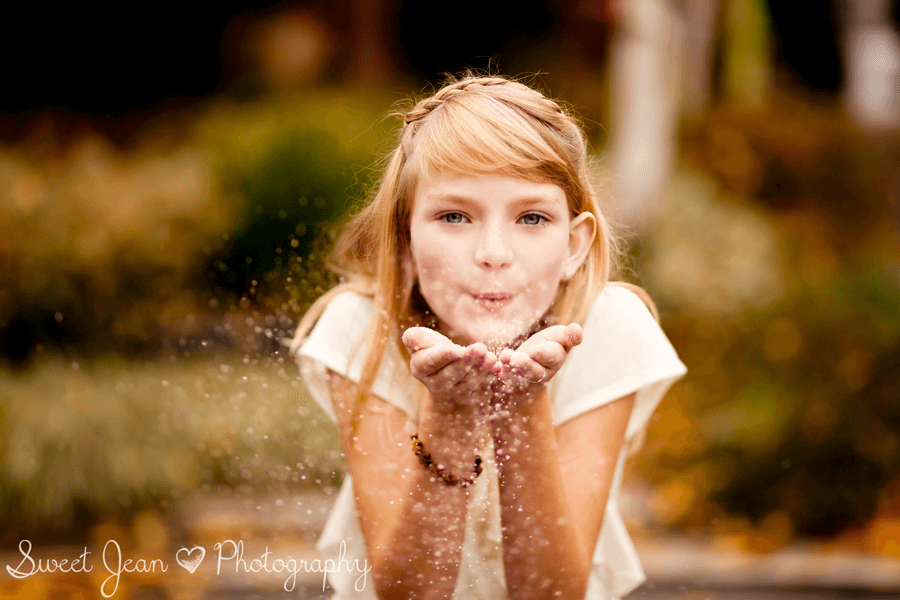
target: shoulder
<point>339,331</point>
<point>620,330</point>
<point>340,343</point>
<point>344,319</point>
<point>617,302</point>
<point>619,319</point>
<point>331,344</point>
<point>347,304</point>
<point>624,350</point>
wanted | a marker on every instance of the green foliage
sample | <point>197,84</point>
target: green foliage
<point>110,438</point>
<point>841,441</point>
<point>298,168</point>
<point>299,187</point>
<point>97,242</point>
<point>776,272</point>
<point>93,239</point>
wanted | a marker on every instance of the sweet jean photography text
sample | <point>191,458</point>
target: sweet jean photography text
<point>229,558</point>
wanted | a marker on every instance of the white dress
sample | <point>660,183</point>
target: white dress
<point>623,351</point>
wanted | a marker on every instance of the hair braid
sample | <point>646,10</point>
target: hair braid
<point>448,92</point>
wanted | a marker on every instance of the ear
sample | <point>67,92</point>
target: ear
<point>582,231</point>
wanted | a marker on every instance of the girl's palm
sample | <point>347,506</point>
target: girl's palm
<point>538,359</point>
<point>457,375</point>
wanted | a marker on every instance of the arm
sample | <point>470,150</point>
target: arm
<point>588,450</point>
<point>554,481</point>
<point>414,524</point>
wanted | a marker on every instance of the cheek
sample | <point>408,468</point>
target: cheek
<point>546,259</point>
<point>437,284</point>
<point>432,256</point>
<point>427,264</point>
<point>544,291</point>
<point>432,270</point>
<point>545,269</point>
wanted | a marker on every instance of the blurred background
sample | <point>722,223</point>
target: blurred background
<point>170,184</point>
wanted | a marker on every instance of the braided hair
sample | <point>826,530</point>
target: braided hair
<point>447,93</point>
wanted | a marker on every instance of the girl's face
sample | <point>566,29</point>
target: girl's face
<point>490,252</point>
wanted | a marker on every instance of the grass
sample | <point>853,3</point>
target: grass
<point>108,437</point>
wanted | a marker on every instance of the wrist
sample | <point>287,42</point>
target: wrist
<point>457,410</point>
<point>518,415</point>
<point>452,438</point>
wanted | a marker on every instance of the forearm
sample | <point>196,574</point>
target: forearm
<point>542,552</point>
<point>418,554</point>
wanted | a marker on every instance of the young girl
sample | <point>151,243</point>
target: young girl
<point>485,376</point>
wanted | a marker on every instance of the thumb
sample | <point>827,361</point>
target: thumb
<point>420,338</point>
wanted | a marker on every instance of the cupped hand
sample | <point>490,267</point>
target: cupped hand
<point>534,363</point>
<point>458,376</point>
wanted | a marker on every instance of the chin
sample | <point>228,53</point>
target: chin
<point>497,335</point>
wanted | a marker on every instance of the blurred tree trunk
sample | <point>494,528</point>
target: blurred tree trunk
<point>663,54</point>
<point>701,24</point>
<point>645,69</point>
<point>871,57</point>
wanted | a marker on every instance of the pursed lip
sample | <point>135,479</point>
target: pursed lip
<point>492,301</point>
<point>493,296</point>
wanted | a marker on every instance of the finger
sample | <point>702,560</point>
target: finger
<point>567,336</point>
<point>549,355</point>
<point>463,377</point>
<point>505,355</point>
<point>573,336</point>
<point>455,371</point>
<point>518,363</point>
<point>479,360</point>
<point>475,369</point>
<point>429,361</point>
<point>525,366</point>
<point>482,357</point>
<point>483,364</point>
<point>421,338</point>
<point>448,364</point>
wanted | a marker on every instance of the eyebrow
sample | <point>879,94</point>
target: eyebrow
<point>525,201</point>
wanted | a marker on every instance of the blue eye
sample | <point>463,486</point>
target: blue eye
<point>533,219</point>
<point>454,218</point>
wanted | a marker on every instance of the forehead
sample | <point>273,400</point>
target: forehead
<point>487,189</point>
<point>485,136</point>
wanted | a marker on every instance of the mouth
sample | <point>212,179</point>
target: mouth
<point>492,301</point>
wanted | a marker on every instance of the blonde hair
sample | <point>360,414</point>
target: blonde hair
<point>471,125</point>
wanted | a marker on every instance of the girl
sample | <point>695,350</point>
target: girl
<point>485,377</point>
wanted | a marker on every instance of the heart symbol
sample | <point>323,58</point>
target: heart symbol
<point>191,562</point>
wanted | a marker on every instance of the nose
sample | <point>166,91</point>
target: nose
<point>492,249</point>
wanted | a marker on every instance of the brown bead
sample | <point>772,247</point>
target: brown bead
<point>448,477</point>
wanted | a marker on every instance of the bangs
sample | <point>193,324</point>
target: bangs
<point>483,135</point>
